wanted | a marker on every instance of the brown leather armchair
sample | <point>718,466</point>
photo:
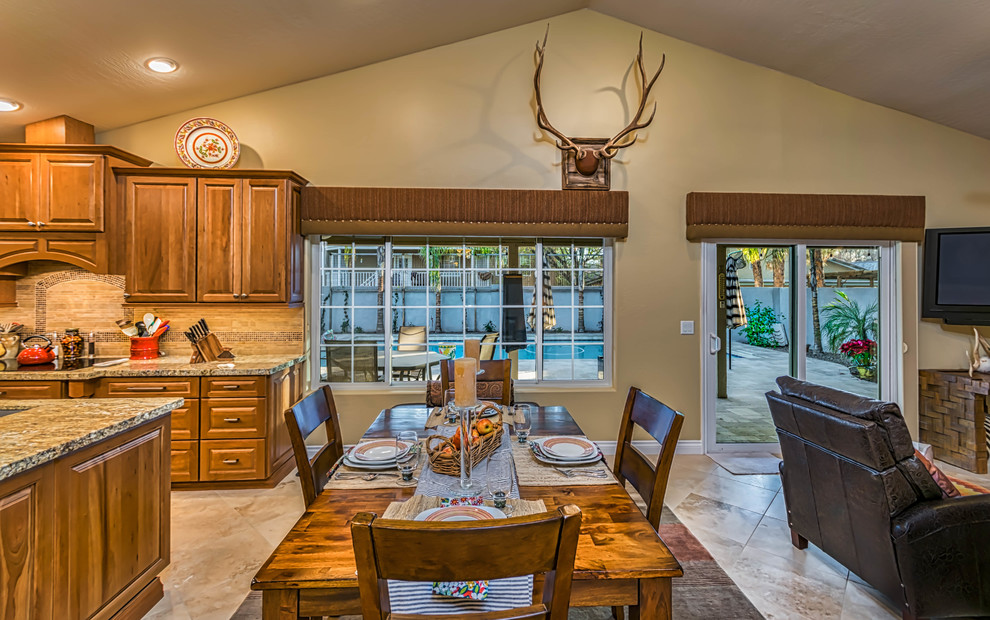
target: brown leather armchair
<point>854,488</point>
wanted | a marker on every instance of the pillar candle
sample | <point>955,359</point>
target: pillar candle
<point>465,376</point>
<point>472,348</point>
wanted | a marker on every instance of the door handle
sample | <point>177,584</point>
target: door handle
<point>714,344</point>
<point>231,420</point>
<point>231,461</point>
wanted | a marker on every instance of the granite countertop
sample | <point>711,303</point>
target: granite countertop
<point>43,430</point>
<point>171,366</point>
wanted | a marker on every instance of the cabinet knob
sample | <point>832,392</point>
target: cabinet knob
<point>244,295</point>
<point>231,461</point>
<point>40,224</point>
<point>231,420</point>
<point>236,295</point>
<point>126,295</point>
<point>32,223</point>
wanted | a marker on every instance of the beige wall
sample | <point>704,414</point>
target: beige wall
<point>462,116</point>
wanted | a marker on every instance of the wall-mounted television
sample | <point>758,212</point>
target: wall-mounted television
<point>956,280</point>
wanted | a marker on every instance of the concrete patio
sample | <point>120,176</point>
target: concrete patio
<point>743,417</point>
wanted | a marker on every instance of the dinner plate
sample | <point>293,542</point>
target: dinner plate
<point>543,458</point>
<point>207,143</point>
<point>356,464</point>
<point>377,451</point>
<point>460,513</point>
<point>568,448</point>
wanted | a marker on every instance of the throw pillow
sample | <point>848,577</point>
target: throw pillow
<point>968,488</point>
<point>943,482</point>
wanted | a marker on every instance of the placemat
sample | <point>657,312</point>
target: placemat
<point>532,473</point>
<point>416,504</point>
<point>384,479</point>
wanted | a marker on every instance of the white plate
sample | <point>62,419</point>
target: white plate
<point>207,143</point>
<point>377,451</point>
<point>543,458</point>
<point>368,465</point>
<point>460,513</point>
<point>569,448</point>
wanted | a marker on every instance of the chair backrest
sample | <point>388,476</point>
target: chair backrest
<point>488,346</point>
<point>314,410</point>
<point>848,469</point>
<point>494,383</point>
<point>664,425</point>
<point>542,544</point>
<point>412,338</point>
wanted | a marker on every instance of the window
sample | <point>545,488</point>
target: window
<point>391,308</point>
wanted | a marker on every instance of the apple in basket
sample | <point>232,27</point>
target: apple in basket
<point>485,427</point>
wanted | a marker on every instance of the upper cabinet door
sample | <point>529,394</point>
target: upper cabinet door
<point>297,245</point>
<point>220,247</point>
<point>71,197</point>
<point>18,191</point>
<point>264,226</point>
<point>161,238</point>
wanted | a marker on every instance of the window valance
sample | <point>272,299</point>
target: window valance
<point>446,211</point>
<point>805,216</point>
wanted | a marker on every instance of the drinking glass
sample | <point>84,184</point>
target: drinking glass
<point>407,461</point>
<point>448,405</point>
<point>500,479</point>
<point>522,419</point>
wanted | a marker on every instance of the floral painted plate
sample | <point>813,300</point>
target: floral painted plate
<point>378,450</point>
<point>460,513</point>
<point>207,143</point>
<point>567,447</point>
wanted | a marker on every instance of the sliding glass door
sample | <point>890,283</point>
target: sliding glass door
<point>821,313</point>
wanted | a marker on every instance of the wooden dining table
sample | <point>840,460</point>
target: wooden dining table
<point>620,558</point>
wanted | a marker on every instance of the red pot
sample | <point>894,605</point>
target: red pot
<point>36,353</point>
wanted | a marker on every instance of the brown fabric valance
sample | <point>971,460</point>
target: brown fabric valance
<point>805,216</point>
<point>487,212</point>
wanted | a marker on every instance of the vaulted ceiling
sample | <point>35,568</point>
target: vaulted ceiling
<point>930,59</point>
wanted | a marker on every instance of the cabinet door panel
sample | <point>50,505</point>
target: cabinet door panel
<point>113,510</point>
<point>71,192</point>
<point>232,459</point>
<point>233,418</point>
<point>297,246</point>
<point>264,236</point>
<point>161,238</point>
<point>27,536</point>
<point>18,191</point>
<point>185,461</point>
<point>219,269</point>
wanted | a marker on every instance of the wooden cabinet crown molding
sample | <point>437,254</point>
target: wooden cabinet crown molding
<point>77,149</point>
<point>205,173</point>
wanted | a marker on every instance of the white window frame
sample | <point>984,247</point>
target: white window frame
<point>313,316</point>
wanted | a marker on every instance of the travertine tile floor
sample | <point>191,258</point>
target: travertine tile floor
<point>220,538</point>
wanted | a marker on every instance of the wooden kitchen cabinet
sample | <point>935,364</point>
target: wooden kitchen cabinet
<point>27,536</point>
<point>246,246</point>
<point>160,238</point>
<point>29,390</point>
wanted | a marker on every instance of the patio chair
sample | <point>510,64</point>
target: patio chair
<point>494,382</point>
<point>488,346</point>
<point>411,338</point>
<point>543,544</point>
<point>315,409</point>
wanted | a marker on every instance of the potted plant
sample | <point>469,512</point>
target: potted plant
<point>862,352</point>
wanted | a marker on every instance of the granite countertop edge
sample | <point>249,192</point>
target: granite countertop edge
<point>75,444</point>
<point>251,367</point>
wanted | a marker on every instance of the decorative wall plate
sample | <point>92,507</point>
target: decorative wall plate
<point>207,143</point>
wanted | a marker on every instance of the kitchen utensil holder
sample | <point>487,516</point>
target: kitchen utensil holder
<point>209,349</point>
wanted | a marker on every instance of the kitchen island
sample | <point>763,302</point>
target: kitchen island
<point>84,506</point>
<point>229,433</point>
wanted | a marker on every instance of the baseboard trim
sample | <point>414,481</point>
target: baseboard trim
<point>646,446</point>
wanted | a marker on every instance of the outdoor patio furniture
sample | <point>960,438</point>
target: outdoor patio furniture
<point>411,338</point>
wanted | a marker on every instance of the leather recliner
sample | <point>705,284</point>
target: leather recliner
<point>853,487</point>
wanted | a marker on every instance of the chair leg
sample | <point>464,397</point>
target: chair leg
<point>798,540</point>
<point>907,615</point>
<point>619,613</point>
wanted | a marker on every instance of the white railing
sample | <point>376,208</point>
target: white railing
<point>447,278</point>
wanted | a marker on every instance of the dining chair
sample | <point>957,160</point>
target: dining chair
<point>493,383</point>
<point>540,544</point>
<point>315,409</point>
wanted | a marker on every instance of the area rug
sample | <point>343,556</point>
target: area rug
<point>705,592</point>
<point>751,464</point>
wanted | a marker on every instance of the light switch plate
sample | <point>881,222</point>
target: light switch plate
<point>687,327</point>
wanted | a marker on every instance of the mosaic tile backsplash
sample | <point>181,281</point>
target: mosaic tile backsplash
<point>54,296</point>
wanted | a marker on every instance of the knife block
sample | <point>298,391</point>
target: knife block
<point>209,349</point>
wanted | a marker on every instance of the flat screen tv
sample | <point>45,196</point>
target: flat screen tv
<point>956,280</point>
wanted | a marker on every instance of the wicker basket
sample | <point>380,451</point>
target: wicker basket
<point>450,464</point>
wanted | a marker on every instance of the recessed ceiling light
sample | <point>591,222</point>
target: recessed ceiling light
<point>9,105</point>
<point>161,65</point>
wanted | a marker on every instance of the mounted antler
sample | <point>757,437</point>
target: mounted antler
<point>588,157</point>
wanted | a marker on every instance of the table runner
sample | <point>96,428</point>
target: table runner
<point>533,473</point>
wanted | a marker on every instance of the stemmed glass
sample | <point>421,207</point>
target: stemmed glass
<point>407,461</point>
<point>522,419</point>
<point>448,406</point>
<point>500,479</point>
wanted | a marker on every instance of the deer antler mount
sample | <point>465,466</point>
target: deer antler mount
<point>586,160</point>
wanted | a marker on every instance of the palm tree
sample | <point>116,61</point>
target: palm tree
<point>846,320</point>
<point>777,258</point>
<point>816,280</point>
<point>754,256</point>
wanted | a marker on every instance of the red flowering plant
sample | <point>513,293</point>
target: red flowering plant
<point>862,351</point>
